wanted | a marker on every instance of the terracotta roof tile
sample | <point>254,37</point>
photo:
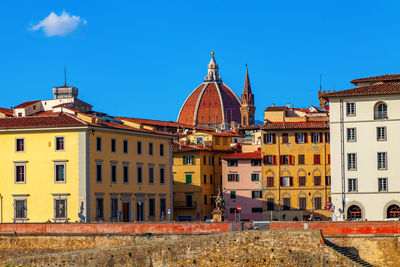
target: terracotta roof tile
<point>8,112</point>
<point>275,108</point>
<point>61,120</point>
<point>26,104</point>
<point>246,155</point>
<point>163,123</point>
<point>180,147</point>
<point>375,89</point>
<point>295,125</point>
<point>380,78</point>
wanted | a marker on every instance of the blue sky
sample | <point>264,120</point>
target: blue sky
<point>143,58</point>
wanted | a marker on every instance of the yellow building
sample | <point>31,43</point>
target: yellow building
<point>296,164</point>
<point>70,166</point>
<point>197,173</point>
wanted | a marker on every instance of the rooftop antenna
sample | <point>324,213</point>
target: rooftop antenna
<point>65,76</point>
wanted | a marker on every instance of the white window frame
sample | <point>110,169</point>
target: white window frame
<point>60,197</point>
<point>381,133</point>
<point>55,143</point>
<point>382,184</point>
<point>351,161</point>
<point>352,185</point>
<point>286,181</point>
<point>16,145</point>
<point>350,109</point>
<point>270,138</point>
<point>18,164</point>
<point>60,163</point>
<point>300,138</point>
<point>20,197</point>
<point>351,134</point>
<point>383,165</point>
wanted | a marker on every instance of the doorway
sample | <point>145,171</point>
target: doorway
<point>125,211</point>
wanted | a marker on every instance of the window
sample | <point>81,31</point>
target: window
<point>285,138</point>
<point>189,200</point>
<point>317,159</point>
<point>302,180</point>
<point>20,208</point>
<point>256,194</point>
<point>113,173</point>
<point>256,162</point>
<point>163,208</point>
<point>205,178</point>
<point>255,177</point>
<point>328,137</point>
<point>125,170</point>
<point>354,213</point>
<point>317,203</point>
<point>232,162</point>
<point>99,172</point>
<point>233,177</point>
<point>151,174</point>
<point>381,112</point>
<point>270,160</point>
<point>205,199</point>
<point>161,150</point>
<point>113,145</point>
<point>125,146</point>
<point>217,140</point>
<point>256,210</point>
<point>286,160</point>
<point>350,109</point>
<point>269,138</point>
<point>162,174</point>
<point>188,160</point>
<point>188,178</point>
<point>98,143</point>
<point>59,175</point>
<point>300,138</point>
<point>382,160</point>
<point>286,203</point>
<point>301,159</point>
<point>352,183</point>
<point>139,147</point>
<point>60,208</point>
<point>139,174</point>
<point>286,181</point>
<point>152,207</point>
<point>20,174</point>
<point>327,180</point>
<point>233,195</point>
<point>382,185</point>
<point>316,137</point>
<point>114,208</point>
<point>205,160</point>
<point>19,145</point>
<point>317,180</point>
<point>351,134</point>
<point>211,160</point>
<point>351,161</point>
<point>270,181</point>
<point>381,133</point>
<point>59,143</point>
<point>150,148</point>
<point>270,204</point>
<point>211,179</point>
<point>200,140</point>
<point>302,203</point>
<point>99,208</point>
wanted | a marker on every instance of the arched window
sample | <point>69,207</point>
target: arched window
<point>354,213</point>
<point>380,111</point>
<point>393,211</point>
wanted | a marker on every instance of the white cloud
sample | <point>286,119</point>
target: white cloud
<point>59,25</point>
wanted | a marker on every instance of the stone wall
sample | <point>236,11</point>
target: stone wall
<point>249,248</point>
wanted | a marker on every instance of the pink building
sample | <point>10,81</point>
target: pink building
<point>242,186</point>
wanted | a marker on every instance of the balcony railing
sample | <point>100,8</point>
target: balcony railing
<point>185,204</point>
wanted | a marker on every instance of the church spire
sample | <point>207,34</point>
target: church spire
<point>212,75</point>
<point>247,108</point>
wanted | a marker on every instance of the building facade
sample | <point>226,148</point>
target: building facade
<point>242,186</point>
<point>296,164</point>
<point>364,125</point>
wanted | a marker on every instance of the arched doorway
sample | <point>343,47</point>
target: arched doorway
<point>354,213</point>
<point>393,211</point>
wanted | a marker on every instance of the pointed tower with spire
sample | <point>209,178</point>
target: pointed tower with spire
<point>247,108</point>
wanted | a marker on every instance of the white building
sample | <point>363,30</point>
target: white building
<point>365,149</point>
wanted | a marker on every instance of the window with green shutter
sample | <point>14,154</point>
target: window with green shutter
<point>188,178</point>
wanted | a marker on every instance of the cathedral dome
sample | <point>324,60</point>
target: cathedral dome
<point>212,103</point>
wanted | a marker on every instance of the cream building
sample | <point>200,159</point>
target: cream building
<point>365,122</point>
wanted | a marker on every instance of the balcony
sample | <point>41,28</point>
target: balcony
<point>185,204</point>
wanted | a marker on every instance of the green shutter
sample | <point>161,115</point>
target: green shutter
<point>188,178</point>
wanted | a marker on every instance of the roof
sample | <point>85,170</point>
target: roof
<point>181,147</point>
<point>8,112</point>
<point>295,125</point>
<point>163,123</point>
<point>246,155</point>
<point>369,90</point>
<point>276,108</point>
<point>229,134</point>
<point>60,120</point>
<point>63,104</point>
<point>26,104</point>
<point>380,78</point>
